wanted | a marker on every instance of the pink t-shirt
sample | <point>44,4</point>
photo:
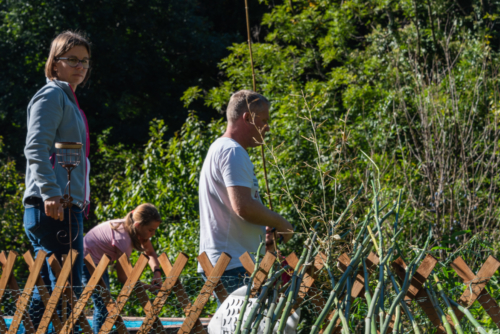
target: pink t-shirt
<point>102,239</point>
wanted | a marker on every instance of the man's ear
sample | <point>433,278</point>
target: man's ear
<point>247,117</point>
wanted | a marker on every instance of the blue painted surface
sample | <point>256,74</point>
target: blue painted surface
<point>129,324</point>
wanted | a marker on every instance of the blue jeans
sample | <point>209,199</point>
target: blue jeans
<point>100,311</point>
<point>48,234</point>
<point>232,280</point>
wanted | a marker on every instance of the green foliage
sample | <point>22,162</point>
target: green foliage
<point>166,175</point>
<point>388,78</point>
<point>11,209</point>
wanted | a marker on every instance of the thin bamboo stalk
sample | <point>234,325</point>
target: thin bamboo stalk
<point>249,289</point>
<point>452,314</point>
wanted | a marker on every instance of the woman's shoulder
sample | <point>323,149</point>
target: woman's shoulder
<point>49,92</point>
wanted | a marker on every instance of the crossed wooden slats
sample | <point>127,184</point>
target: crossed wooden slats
<point>358,287</point>
<point>8,278</point>
<point>209,286</point>
<point>206,265</point>
<point>415,291</point>
<point>44,293</point>
<point>124,265</point>
<point>476,287</point>
<point>7,267</point>
<point>181,294</point>
<point>68,291</point>
<point>162,296</point>
<point>24,298</point>
<point>115,308</point>
<point>307,286</point>
<point>87,292</point>
<point>106,294</point>
<point>261,275</point>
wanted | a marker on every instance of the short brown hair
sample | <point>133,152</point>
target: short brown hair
<point>144,215</point>
<point>64,42</point>
<point>241,100</point>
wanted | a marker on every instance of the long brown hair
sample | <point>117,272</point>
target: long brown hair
<point>144,214</point>
<point>64,42</point>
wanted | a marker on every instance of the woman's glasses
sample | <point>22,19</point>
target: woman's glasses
<point>73,61</point>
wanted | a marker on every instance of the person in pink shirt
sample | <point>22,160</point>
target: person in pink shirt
<point>117,237</point>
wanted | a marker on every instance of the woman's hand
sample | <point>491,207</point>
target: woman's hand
<point>54,208</point>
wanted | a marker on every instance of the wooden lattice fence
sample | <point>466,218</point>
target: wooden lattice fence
<point>475,290</point>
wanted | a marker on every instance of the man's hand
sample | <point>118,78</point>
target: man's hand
<point>287,230</point>
<point>54,208</point>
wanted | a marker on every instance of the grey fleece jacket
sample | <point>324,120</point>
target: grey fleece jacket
<point>54,116</point>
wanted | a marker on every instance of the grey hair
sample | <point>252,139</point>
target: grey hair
<point>244,99</point>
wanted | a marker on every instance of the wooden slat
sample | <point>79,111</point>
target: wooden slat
<point>165,291</point>
<point>204,295</point>
<point>8,267</point>
<point>474,287</point>
<point>206,265</point>
<point>421,275</point>
<point>3,263</point>
<point>56,293</point>
<point>68,293</point>
<point>124,264</point>
<point>247,262</point>
<point>358,287</point>
<point>106,295</point>
<point>24,298</point>
<point>87,292</point>
<point>415,292</point>
<point>308,280</point>
<point>117,307</point>
<point>261,275</point>
<point>181,294</point>
<point>478,283</point>
<point>44,293</point>
<point>28,325</point>
<point>359,284</point>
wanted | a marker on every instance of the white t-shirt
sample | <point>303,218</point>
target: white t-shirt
<point>221,230</point>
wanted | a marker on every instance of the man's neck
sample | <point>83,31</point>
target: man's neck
<point>237,135</point>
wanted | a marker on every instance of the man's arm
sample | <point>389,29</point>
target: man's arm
<point>254,212</point>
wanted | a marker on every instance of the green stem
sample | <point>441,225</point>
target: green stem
<point>249,290</point>
<point>452,314</point>
<point>469,315</point>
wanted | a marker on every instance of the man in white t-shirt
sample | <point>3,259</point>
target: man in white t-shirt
<point>232,216</point>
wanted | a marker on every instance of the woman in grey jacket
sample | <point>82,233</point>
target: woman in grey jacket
<point>55,116</point>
